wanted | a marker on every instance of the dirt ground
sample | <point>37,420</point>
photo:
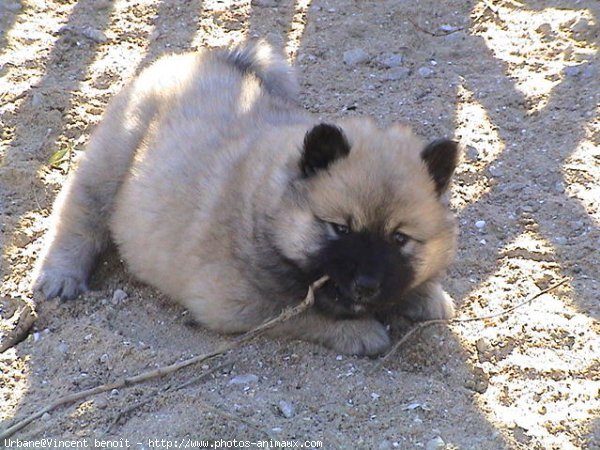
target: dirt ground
<point>517,82</point>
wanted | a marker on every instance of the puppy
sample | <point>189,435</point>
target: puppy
<point>222,192</point>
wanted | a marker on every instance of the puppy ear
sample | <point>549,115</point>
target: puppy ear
<point>323,144</point>
<point>441,158</point>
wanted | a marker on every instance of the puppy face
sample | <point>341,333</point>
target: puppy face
<point>369,213</point>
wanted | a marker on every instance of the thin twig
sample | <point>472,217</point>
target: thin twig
<point>202,376</point>
<point>19,325</point>
<point>162,391</point>
<point>165,370</point>
<point>432,33</point>
<point>421,325</point>
<point>518,305</point>
<point>35,196</point>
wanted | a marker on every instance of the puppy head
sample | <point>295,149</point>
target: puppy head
<point>367,209</point>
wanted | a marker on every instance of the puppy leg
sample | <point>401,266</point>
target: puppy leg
<point>426,302</point>
<point>364,336</point>
<point>79,229</point>
<point>78,234</point>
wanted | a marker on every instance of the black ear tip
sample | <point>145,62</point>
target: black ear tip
<point>447,147</point>
<point>325,129</point>
<point>323,144</point>
<point>327,135</point>
<point>441,157</point>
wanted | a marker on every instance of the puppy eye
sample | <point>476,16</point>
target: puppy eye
<point>400,238</point>
<point>339,228</point>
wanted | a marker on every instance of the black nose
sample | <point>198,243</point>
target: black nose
<point>366,287</point>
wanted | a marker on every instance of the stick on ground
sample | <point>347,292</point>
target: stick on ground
<point>421,325</point>
<point>165,390</point>
<point>165,370</point>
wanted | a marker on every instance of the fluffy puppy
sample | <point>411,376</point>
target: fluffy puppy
<point>220,191</point>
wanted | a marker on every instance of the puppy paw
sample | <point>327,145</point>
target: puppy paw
<point>57,283</point>
<point>429,303</point>
<point>361,337</point>
<point>443,308</point>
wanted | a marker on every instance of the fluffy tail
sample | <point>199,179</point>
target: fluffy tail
<point>259,57</point>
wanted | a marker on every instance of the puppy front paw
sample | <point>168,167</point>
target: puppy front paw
<point>428,302</point>
<point>59,283</point>
<point>361,337</point>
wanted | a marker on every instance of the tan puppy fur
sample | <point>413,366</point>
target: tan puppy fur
<point>225,195</point>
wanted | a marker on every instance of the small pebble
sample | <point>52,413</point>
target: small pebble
<point>484,350</point>
<point>545,29</point>
<point>114,393</point>
<point>479,382</point>
<point>339,357</point>
<point>496,171</point>
<point>46,416</point>
<point>437,443</point>
<point>559,187</point>
<point>411,406</point>
<point>37,99</point>
<point>393,60</point>
<point>448,28</point>
<point>100,403</point>
<point>63,348</point>
<point>82,376</point>
<point>95,35</point>
<point>104,358</point>
<point>355,57</point>
<point>580,28</point>
<point>471,152</point>
<point>287,409</point>
<point>480,224</point>
<point>119,295</point>
<point>244,379</point>
<point>398,73</point>
<point>560,240</point>
<point>525,209</point>
<point>264,3</point>
<point>425,71</point>
<point>482,345</point>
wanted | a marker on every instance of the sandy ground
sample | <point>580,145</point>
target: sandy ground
<point>516,81</point>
